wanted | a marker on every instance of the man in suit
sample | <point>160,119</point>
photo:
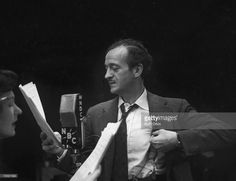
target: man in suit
<point>151,153</point>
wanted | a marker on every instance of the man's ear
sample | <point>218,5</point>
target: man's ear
<point>138,70</point>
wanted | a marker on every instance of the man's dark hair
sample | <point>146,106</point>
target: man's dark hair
<point>137,54</point>
<point>8,80</point>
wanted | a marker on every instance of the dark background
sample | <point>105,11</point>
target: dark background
<point>60,46</point>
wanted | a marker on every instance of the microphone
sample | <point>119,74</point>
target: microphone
<point>71,118</point>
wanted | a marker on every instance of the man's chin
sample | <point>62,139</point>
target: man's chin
<point>113,90</point>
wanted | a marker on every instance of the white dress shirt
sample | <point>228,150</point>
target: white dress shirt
<point>138,138</point>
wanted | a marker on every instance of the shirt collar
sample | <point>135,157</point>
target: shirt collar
<point>141,101</point>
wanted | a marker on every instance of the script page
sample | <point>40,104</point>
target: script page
<point>95,158</point>
<point>32,98</point>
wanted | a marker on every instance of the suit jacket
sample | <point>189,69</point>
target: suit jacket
<point>198,138</point>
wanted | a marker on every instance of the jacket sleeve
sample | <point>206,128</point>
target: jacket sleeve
<point>202,132</point>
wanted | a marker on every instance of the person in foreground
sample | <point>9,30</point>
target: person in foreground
<point>9,111</point>
<point>142,150</point>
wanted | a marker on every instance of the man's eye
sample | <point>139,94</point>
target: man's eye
<point>115,69</point>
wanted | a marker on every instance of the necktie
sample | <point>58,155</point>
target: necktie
<point>120,164</point>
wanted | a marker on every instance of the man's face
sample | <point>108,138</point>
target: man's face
<point>9,112</point>
<point>118,74</point>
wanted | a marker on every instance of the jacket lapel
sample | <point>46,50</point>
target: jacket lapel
<point>159,106</point>
<point>109,115</point>
<point>157,103</point>
<point>110,111</point>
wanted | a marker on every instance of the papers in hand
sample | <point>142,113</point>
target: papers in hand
<point>31,96</point>
<point>95,158</point>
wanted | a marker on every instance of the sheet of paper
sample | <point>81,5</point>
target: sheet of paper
<point>32,98</point>
<point>31,91</point>
<point>98,153</point>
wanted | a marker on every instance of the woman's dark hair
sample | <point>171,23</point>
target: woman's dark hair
<point>8,80</point>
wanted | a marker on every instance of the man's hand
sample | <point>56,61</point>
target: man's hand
<point>164,140</point>
<point>49,146</point>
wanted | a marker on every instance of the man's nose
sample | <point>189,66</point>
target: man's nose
<point>108,74</point>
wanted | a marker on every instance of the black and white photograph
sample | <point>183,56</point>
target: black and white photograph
<point>118,90</point>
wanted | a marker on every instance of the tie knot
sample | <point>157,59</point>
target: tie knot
<point>130,108</point>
